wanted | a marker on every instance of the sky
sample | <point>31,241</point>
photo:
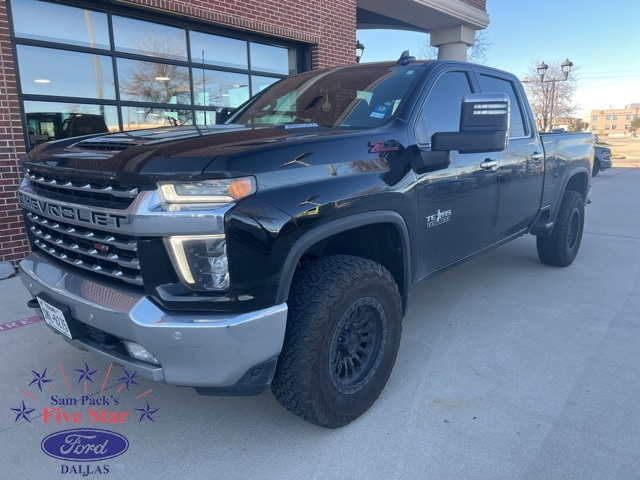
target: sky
<point>603,43</point>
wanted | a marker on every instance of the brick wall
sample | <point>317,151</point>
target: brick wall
<point>328,25</point>
<point>13,242</point>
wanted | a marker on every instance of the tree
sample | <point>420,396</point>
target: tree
<point>551,98</point>
<point>476,53</point>
<point>634,126</point>
<point>577,125</point>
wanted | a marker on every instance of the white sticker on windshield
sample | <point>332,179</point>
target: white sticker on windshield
<point>300,125</point>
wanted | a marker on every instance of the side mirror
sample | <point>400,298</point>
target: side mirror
<point>223,113</point>
<point>484,122</point>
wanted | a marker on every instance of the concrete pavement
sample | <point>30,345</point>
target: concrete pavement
<point>508,369</point>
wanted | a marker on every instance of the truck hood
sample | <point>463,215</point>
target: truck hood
<point>148,156</point>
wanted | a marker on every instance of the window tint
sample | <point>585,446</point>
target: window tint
<point>45,71</point>
<point>153,82</point>
<point>146,38</point>
<point>217,50</point>
<point>220,89</point>
<point>59,23</point>
<point>271,59</point>
<point>441,110</point>
<point>134,118</point>
<point>47,121</point>
<point>490,84</point>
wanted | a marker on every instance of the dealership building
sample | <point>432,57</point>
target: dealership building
<point>70,67</point>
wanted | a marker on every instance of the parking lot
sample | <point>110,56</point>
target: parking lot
<point>507,369</point>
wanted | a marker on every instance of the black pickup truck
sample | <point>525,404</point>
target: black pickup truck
<point>282,246</point>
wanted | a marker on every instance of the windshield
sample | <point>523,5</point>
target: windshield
<point>351,97</point>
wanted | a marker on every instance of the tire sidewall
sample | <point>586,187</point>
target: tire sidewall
<point>349,404</point>
<point>577,206</point>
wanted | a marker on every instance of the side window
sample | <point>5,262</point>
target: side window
<point>490,84</point>
<point>441,109</point>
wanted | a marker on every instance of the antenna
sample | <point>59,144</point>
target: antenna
<point>405,58</point>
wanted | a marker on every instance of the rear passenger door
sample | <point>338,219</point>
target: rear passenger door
<point>521,166</point>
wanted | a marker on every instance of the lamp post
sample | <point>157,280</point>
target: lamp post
<point>542,70</point>
<point>359,50</point>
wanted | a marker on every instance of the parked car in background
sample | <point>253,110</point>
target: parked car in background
<point>46,126</point>
<point>601,159</point>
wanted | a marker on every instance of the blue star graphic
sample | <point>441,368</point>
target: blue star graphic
<point>85,374</point>
<point>147,412</point>
<point>129,378</point>
<point>40,378</point>
<point>24,413</point>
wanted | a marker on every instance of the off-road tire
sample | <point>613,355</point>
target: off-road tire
<point>342,338</point>
<point>561,247</point>
<point>596,167</point>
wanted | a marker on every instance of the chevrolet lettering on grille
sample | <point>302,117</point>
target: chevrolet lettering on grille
<point>84,215</point>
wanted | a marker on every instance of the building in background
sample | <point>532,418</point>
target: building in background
<point>69,68</point>
<point>613,121</point>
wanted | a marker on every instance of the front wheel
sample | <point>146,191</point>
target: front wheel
<point>561,247</point>
<point>596,167</point>
<point>341,342</point>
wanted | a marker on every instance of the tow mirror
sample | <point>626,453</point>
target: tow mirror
<point>484,122</point>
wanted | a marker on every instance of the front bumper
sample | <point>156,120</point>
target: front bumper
<point>206,351</point>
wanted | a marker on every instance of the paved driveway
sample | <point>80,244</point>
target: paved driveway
<point>508,369</point>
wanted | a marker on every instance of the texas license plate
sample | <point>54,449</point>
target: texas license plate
<point>54,317</point>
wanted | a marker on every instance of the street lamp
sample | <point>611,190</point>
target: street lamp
<point>542,71</point>
<point>359,51</point>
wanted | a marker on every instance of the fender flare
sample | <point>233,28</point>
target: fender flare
<point>334,227</point>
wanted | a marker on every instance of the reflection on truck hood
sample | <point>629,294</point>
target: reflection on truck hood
<point>154,153</point>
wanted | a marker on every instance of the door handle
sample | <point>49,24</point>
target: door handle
<point>536,156</point>
<point>490,165</point>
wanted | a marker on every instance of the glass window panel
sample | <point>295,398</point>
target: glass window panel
<point>268,58</point>
<point>146,38</point>
<point>221,51</point>
<point>205,117</point>
<point>153,82</point>
<point>47,121</point>
<point>490,84</point>
<point>220,89</point>
<point>260,83</point>
<point>44,71</point>
<point>60,23</point>
<point>135,118</point>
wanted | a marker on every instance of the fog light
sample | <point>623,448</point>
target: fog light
<point>138,351</point>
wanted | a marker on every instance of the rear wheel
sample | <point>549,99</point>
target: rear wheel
<point>561,247</point>
<point>342,338</point>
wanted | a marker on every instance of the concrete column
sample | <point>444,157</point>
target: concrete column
<point>452,42</point>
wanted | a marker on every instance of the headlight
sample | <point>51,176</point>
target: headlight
<point>224,190</point>
<point>201,261</point>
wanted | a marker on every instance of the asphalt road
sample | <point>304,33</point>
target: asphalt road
<point>508,369</point>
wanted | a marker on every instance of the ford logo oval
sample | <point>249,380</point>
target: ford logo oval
<point>84,445</point>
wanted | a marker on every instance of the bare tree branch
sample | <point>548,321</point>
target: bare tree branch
<point>550,95</point>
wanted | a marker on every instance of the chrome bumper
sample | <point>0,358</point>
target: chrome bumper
<point>195,350</point>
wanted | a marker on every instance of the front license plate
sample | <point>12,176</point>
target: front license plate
<point>54,317</point>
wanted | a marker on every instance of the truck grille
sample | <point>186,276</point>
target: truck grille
<point>104,253</point>
<point>90,194</point>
